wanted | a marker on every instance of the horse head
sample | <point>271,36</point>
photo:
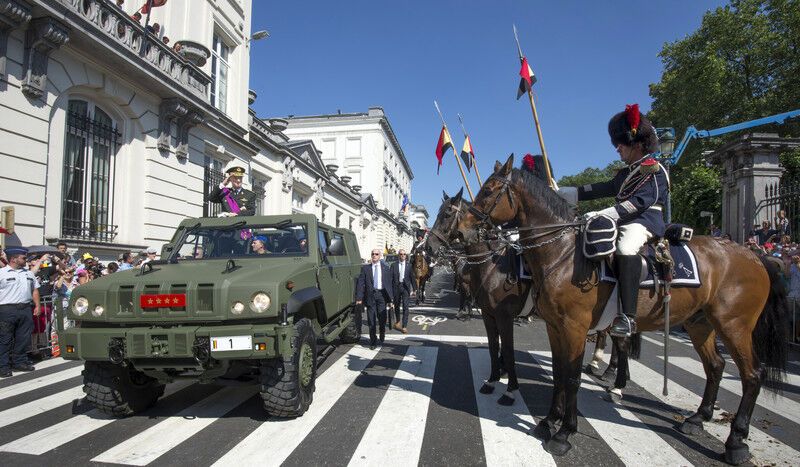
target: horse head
<point>496,203</point>
<point>442,236</point>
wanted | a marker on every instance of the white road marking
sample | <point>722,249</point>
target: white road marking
<point>33,408</point>
<point>283,436</point>
<point>505,430</point>
<point>437,338</point>
<point>40,382</point>
<point>395,433</point>
<point>634,442</point>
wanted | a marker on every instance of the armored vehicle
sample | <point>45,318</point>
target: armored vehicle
<point>231,299</point>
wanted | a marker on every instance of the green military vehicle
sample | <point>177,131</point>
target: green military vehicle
<point>218,307</point>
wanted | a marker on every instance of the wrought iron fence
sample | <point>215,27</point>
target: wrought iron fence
<point>779,198</point>
<point>211,179</point>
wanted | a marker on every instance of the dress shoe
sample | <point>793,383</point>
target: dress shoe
<point>26,367</point>
<point>5,373</point>
<point>372,346</point>
<point>405,330</point>
<point>398,327</point>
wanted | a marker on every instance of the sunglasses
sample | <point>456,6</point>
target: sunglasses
<point>376,254</point>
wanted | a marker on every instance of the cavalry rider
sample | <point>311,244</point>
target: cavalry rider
<point>235,201</point>
<point>641,191</point>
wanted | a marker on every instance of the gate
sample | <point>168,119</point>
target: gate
<point>779,198</point>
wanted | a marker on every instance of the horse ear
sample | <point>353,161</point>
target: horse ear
<point>506,169</point>
<point>459,195</point>
<point>444,196</point>
<point>497,165</point>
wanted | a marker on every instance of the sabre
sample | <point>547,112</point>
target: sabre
<point>458,160</point>
<point>472,156</point>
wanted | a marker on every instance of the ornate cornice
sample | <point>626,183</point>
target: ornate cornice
<point>44,35</point>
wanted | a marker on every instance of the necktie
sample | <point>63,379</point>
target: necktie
<point>376,276</point>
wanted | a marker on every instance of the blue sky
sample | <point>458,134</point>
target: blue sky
<point>591,58</point>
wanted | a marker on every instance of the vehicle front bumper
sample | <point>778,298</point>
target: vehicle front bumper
<point>174,343</point>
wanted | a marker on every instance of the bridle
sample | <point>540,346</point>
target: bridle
<point>484,218</point>
<point>453,223</point>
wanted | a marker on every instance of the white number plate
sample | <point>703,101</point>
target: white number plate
<point>227,343</point>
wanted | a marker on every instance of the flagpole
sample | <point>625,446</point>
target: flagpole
<point>471,155</point>
<point>535,118</point>
<point>146,24</point>
<point>458,160</point>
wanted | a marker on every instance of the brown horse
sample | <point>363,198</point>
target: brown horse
<point>494,284</point>
<point>741,300</point>
<point>421,272</point>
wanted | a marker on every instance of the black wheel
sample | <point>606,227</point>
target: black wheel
<point>350,334</point>
<point>119,391</point>
<point>287,383</point>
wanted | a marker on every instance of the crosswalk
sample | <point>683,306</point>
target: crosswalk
<point>374,407</point>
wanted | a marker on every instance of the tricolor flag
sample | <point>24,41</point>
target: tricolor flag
<point>528,78</point>
<point>151,4</point>
<point>445,143</point>
<point>404,207</point>
<point>466,152</point>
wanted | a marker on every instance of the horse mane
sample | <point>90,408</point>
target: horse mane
<point>548,199</point>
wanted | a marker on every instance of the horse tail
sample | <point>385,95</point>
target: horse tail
<point>770,336</point>
<point>635,350</point>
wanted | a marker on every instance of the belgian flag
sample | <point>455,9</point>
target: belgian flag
<point>445,143</point>
<point>467,153</point>
<point>527,78</point>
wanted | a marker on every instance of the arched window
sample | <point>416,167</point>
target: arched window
<point>91,144</point>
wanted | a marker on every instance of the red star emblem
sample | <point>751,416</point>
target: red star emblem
<point>158,300</point>
<point>149,301</point>
<point>174,300</point>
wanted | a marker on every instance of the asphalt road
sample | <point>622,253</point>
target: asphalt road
<point>413,401</point>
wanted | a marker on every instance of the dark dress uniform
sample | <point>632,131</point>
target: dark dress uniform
<point>245,199</point>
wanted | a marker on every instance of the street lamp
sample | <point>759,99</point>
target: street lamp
<point>258,35</point>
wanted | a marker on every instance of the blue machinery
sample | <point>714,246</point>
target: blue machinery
<point>667,138</point>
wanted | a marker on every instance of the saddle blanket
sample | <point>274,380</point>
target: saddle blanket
<point>687,273</point>
<point>522,267</point>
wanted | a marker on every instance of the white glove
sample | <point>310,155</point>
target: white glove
<point>610,212</point>
<point>569,193</point>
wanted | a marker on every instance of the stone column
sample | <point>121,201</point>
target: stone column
<point>44,35</point>
<point>13,14</point>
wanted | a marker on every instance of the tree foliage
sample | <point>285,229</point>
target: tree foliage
<point>697,189</point>
<point>592,175</point>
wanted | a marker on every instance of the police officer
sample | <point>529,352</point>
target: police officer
<point>640,190</point>
<point>236,201</point>
<point>18,295</point>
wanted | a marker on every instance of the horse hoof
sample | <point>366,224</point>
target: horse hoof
<point>506,400</point>
<point>557,447</point>
<point>690,428</point>
<point>486,388</point>
<point>542,431</point>
<point>613,395</point>
<point>608,375</point>
<point>737,455</point>
<point>589,370</point>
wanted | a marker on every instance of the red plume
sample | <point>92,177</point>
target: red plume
<point>632,114</point>
<point>528,162</point>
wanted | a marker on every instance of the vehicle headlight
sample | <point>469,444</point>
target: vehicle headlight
<point>80,306</point>
<point>237,308</point>
<point>261,302</point>
<point>98,310</point>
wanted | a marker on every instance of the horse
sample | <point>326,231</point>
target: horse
<point>741,299</point>
<point>494,284</point>
<point>421,273</point>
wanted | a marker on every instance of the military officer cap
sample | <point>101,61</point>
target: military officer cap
<point>235,171</point>
<point>16,250</point>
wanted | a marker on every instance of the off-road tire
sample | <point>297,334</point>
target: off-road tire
<point>350,334</point>
<point>282,390</point>
<point>119,391</point>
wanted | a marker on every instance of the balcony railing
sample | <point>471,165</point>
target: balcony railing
<point>124,32</point>
<point>87,230</point>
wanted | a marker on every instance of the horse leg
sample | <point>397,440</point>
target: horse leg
<point>571,354</point>
<point>611,369</point>
<point>704,340</point>
<point>620,353</point>
<point>494,350</point>
<point>506,324</point>
<point>597,356</point>
<point>544,429</point>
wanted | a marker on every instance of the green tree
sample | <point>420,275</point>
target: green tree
<point>697,189</point>
<point>588,176</point>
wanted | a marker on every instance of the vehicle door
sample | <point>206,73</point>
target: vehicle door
<point>339,258</point>
<point>326,275</point>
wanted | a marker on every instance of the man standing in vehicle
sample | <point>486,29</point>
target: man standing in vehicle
<point>374,288</point>
<point>235,201</point>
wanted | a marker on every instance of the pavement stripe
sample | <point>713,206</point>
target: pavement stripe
<point>776,403</point>
<point>504,429</point>
<point>437,338</point>
<point>766,449</point>
<point>40,382</point>
<point>21,412</point>
<point>150,444</point>
<point>283,436</point>
<point>632,440</point>
<point>61,433</point>
<point>394,435</point>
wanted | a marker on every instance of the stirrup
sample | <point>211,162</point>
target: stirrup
<point>623,326</point>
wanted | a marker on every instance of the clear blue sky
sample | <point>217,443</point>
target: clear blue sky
<point>591,58</point>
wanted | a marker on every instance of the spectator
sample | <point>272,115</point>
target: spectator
<point>752,244</point>
<point>765,233</point>
<point>782,223</point>
<point>128,259</point>
<point>177,47</point>
<point>714,231</point>
<point>165,40</point>
<point>137,16</point>
<point>150,254</point>
<point>120,3</point>
<point>63,248</point>
<point>794,283</point>
<point>726,236</point>
<point>112,267</point>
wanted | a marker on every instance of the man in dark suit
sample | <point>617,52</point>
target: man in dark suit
<point>404,286</point>
<point>236,201</point>
<point>374,289</point>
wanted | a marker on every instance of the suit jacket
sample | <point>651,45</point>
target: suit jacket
<point>246,200</point>
<point>364,287</point>
<point>408,282</point>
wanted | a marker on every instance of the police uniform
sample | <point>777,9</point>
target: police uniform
<point>244,199</point>
<point>16,318</point>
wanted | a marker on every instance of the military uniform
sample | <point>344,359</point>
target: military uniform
<point>244,199</point>
<point>17,288</point>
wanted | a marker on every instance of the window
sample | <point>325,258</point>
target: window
<point>226,241</point>
<point>324,209</point>
<point>337,247</point>
<point>260,189</point>
<point>90,151</point>
<point>298,201</point>
<point>213,176</point>
<point>219,73</point>
<point>322,237</point>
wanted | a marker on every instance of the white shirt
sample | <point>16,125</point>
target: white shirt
<point>402,268</point>
<point>16,285</point>
<point>377,283</point>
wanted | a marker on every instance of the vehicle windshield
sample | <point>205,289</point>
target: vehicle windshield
<point>239,241</point>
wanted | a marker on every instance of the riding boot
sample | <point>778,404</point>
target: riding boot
<point>628,269</point>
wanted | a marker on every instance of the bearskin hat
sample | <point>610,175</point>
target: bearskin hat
<point>629,127</point>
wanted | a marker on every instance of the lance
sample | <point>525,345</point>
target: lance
<point>471,155</point>
<point>458,160</point>
<point>535,118</point>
